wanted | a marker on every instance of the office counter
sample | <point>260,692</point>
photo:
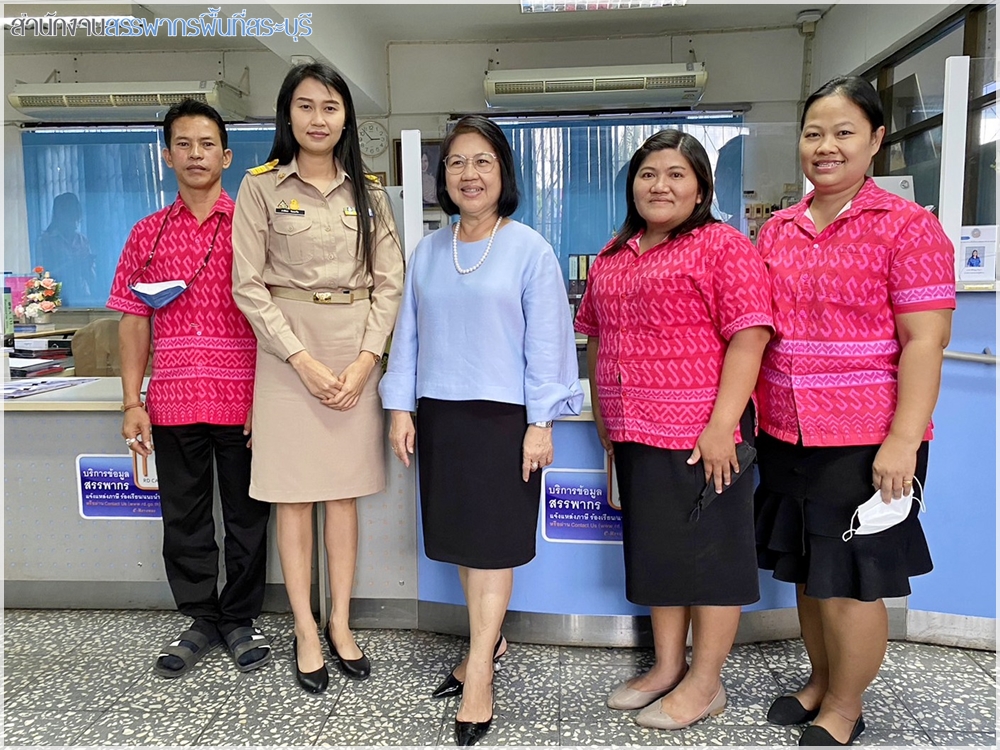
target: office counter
<point>571,593</point>
<point>55,558</point>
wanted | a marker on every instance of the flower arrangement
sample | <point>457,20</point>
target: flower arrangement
<point>41,295</point>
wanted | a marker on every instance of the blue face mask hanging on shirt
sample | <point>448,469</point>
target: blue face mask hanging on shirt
<point>161,293</point>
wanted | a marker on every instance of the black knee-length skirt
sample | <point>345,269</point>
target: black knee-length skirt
<point>476,509</point>
<point>674,556</point>
<point>804,504</point>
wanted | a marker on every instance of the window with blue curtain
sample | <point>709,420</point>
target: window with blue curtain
<point>572,171</point>
<point>86,188</point>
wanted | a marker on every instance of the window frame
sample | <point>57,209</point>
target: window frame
<point>972,19</point>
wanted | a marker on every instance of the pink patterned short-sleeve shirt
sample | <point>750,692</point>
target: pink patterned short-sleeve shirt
<point>829,373</point>
<point>204,351</point>
<point>664,318</point>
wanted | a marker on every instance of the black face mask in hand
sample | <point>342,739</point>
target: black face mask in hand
<point>746,454</point>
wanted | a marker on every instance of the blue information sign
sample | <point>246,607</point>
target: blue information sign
<point>575,507</point>
<point>107,488</point>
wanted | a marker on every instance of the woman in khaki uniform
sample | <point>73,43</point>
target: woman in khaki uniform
<point>318,272</point>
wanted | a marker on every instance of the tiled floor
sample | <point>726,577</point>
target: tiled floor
<point>84,678</point>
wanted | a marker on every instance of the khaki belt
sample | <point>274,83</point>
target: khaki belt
<point>338,297</point>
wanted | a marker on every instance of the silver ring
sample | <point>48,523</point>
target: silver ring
<point>129,441</point>
<point>534,464</point>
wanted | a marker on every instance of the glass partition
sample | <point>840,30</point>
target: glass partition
<point>980,205</point>
<point>917,92</point>
<point>86,187</point>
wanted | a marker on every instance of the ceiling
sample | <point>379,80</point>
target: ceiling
<point>496,22</point>
<point>418,22</point>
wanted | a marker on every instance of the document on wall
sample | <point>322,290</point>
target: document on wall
<point>978,255</point>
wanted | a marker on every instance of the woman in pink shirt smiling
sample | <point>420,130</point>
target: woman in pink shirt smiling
<point>677,314</point>
<point>863,285</point>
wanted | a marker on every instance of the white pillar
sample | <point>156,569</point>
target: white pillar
<point>413,206</point>
<point>951,195</point>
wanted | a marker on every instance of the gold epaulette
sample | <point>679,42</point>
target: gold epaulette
<point>373,178</point>
<point>263,167</point>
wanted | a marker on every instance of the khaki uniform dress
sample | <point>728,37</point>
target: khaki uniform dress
<point>289,234</point>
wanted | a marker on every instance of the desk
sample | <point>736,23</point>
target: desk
<point>63,332</point>
<point>102,395</point>
<point>66,363</point>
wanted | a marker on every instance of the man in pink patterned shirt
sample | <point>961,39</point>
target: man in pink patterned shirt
<point>199,395</point>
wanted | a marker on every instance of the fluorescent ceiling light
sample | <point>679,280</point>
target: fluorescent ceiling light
<point>547,6</point>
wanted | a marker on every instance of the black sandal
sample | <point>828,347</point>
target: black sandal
<point>245,639</point>
<point>190,656</point>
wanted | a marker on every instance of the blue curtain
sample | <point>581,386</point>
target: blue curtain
<point>572,171</point>
<point>116,177</point>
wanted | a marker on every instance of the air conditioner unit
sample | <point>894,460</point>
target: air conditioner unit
<point>597,88</point>
<point>122,102</point>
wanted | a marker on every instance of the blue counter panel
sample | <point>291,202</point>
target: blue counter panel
<point>961,522</point>
<point>579,579</point>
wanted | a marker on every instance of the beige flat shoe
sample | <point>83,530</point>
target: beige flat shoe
<point>655,718</point>
<point>625,698</point>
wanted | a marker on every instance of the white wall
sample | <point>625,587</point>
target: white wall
<point>850,37</point>
<point>266,72</point>
<point>758,66</point>
<point>343,37</point>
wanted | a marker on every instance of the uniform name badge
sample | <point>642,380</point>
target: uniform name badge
<point>291,208</point>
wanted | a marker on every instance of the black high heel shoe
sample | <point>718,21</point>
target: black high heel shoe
<point>451,684</point>
<point>311,682</point>
<point>356,669</point>
<point>470,732</point>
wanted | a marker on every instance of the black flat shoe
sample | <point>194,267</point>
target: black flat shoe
<point>787,710</point>
<point>470,732</point>
<point>311,682</point>
<point>815,736</point>
<point>356,669</point>
<point>451,685</point>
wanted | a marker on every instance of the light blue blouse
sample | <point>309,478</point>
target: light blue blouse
<point>501,333</point>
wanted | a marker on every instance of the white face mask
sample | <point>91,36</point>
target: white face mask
<point>874,516</point>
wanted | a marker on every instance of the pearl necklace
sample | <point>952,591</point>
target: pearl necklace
<point>454,247</point>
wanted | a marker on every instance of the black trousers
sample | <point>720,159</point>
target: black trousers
<point>184,456</point>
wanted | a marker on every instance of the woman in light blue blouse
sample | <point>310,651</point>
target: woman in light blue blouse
<point>484,352</point>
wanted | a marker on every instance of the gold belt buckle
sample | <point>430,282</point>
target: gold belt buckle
<point>323,298</point>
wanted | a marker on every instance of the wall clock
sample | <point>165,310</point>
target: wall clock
<point>373,138</point>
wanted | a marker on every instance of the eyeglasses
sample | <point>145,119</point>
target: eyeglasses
<point>482,163</point>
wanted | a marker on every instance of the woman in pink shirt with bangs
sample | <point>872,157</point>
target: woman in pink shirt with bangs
<point>677,313</point>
